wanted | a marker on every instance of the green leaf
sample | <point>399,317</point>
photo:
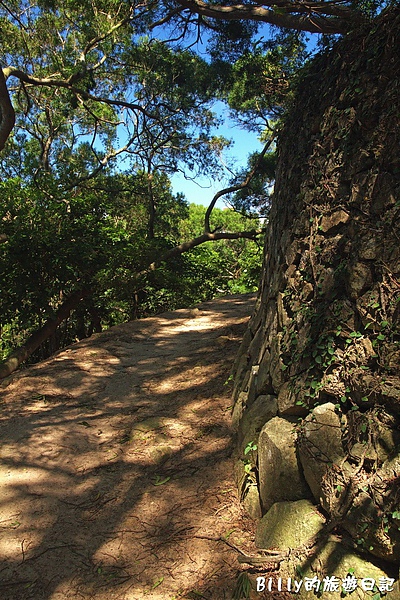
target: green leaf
<point>157,583</point>
<point>15,524</point>
<point>251,447</point>
<point>228,535</point>
<point>159,481</point>
<point>299,571</point>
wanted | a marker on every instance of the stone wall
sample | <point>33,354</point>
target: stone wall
<point>317,380</point>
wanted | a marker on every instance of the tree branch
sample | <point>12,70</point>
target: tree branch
<point>166,19</point>
<point>61,83</point>
<point>103,162</point>
<point>7,113</point>
<point>19,355</point>
<point>201,239</point>
<point>239,186</point>
<point>100,38</point>
<point>338,19</point>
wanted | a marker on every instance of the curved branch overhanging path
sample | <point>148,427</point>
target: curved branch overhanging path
<point>116,459</point>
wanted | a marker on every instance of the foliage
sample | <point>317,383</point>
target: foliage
<point>255,198</point>
<point>226,266</point>
<point>99,238</point>
<point>110,99</point>
<point>209,270</point>
<point>260,80</point>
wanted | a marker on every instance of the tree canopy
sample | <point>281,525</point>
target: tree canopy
<point>105,64</point>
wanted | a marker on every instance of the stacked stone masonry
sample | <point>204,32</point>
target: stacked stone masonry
<point>317,379</point>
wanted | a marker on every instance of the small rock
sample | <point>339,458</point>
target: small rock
<point>328,222</point>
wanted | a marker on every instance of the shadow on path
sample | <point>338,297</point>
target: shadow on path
<point>115,463</point>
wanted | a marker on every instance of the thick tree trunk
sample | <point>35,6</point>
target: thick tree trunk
<point>21,354</point>
<point>335,19</point>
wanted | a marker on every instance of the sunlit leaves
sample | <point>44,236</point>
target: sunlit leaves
<point>260,80</point>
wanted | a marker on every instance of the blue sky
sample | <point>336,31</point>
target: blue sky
<point>244,143</point>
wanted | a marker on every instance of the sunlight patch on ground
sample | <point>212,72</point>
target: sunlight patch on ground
<point>116,455</point>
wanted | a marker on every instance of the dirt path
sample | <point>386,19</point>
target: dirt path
<point>115,461</point>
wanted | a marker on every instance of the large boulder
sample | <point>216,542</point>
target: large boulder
<point>253,419</point>
<point>318,563</point>
<point>288,525</point>
<point>332,569</point>
<point>250,425</point>
<point>373,519</point>
<point>322,454</point>
<point>328,570</point>
<point>355,477</point>
<point>279,471</point>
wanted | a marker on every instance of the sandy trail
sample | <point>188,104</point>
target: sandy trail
<point>116,464</point>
